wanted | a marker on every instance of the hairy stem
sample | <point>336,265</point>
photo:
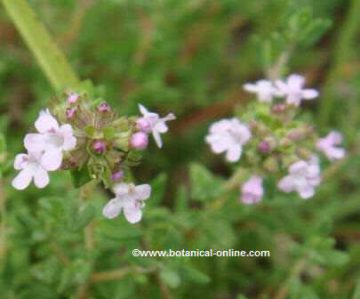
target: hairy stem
<point>50,58</point>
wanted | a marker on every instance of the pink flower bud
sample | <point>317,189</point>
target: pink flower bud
<point>104,107</point>
<point>143,124</point>
<point>117,176</point>
<point>72,98</point>
<point>99,146</point>
<point>264,147</point>
<point>70,112</point>
<point>139,140</point>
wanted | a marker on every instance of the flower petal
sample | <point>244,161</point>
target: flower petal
<point>309,94</point>
<point>112,209</point>
<point>51,160</point>
<point>20,161</point>
<point>46,122</point>
<point>286,184</point>
<point>121,189</point>
<point>157,138</point>
<point>22,180</point>
<point>41,178</point>
<point>133,213</point>
<point>34,142</point>
<point>143,191</point>
<point>233,154</point>
<point>143,110</point>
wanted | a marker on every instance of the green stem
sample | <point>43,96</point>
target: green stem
<point>50,58</point>
<point>342,54</point>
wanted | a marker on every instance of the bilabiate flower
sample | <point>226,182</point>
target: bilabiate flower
<point>31,168</point>
<point>252,190</point>
<point>264,89</point>
<point>303,177</point>
<point>293,90</point>
<point>328,145</point>
<point>52,139</point>
<point>229,136</point>
<point>129,199</point>
<point>150,122</point>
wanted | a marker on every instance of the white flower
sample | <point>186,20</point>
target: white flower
<point>151,122</point>
<point>31,168</point>
<point>303,177</point>
<point>264,89</point>
<point>293,90</point>
<point>130,199</point>
<point>52,139</point>
<point>228,135</point>
<point>328,145</point>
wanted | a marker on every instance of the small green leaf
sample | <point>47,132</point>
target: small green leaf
<point>80,177</point>
<point>204,185</point>
<point>170,277</point>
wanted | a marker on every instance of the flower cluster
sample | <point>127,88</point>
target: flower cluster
<point>93,142</point>
<point>277,142</point>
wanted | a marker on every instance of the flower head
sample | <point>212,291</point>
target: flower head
<point>129,199</point>
<point>328,145</point>
<point>52,139</point>
<point>264,89</point>
<point>31,168</point>
<point>293,90</point>
<point>151,122</point>
<point>229,136</point>
<point>252,190</point>
<point>303,177</point>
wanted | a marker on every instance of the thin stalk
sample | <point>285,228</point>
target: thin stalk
<point>343,51</point>
<point>49,57</point>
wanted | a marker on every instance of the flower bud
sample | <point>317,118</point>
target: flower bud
<point>117,176</point>
<point>70,112</point>
<point>104,107</point>
<point>72,98</point>
<point>264,147</point>
<point>139,140</point>
<point>99,146</point>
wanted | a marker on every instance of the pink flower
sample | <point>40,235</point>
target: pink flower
<point>252,190</point>
<point>151,122</point>
<point>328,145</point>
<point>31,168</point>
<point>52,140</point>
<point>130,199</point>
<point>303,177</point>
<point>293,90</point>
<point>229,136</point>
<point>139,140</point>
<point>264,89</point>
<point>72,98</point>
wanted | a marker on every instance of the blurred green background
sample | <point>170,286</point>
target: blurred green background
<point>190,57</point>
